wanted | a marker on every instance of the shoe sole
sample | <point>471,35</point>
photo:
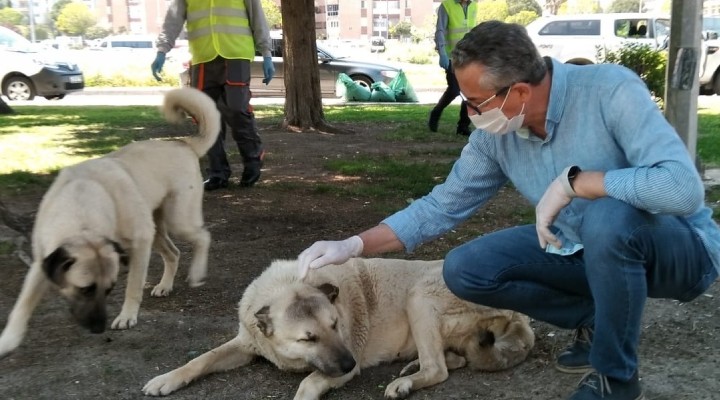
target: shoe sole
<point>574,370</point>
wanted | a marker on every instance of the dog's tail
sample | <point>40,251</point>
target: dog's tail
<point>202,108</point>
<point>505,343</point>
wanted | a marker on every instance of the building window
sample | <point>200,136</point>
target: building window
<point>334,24</point>
<point>332,10</point>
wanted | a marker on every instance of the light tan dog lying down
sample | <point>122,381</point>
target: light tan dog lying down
<point>343,318</point>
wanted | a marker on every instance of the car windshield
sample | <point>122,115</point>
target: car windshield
<point>10,40</point>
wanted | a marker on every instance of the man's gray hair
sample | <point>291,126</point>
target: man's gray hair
<point>505,50</point>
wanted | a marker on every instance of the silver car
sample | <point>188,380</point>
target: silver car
<point>330,66</point>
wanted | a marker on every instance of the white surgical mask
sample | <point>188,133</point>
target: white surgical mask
<point>495,121</point>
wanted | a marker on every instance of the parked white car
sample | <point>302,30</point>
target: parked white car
<point>710,60</point>
<point>577,39</point>
<point>27,71</point>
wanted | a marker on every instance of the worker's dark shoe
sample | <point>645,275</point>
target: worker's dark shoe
<point>463,130</point>
<point>576,358</point>
<point>433,121</point>
<point>251,172</point>
<point>215,183</point>
<point>596,386</point>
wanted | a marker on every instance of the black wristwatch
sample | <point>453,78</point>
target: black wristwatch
<point>567,177</point>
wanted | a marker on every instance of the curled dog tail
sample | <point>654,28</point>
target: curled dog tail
<point>505,343</point>
<point>202,108</point>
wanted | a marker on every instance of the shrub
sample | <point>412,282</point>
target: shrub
<point>648,63</point>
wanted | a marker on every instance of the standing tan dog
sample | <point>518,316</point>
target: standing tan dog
<point>356,315</point>
<point>113,210</point>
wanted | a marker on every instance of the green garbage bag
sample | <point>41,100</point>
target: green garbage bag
<point>404,92</point>
<point>381,92</point>
<point>353,90</point>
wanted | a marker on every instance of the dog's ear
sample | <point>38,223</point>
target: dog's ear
<point>330,290</point>
<point>122,254</point>
<point>264,321</point>
<point>56,264</point>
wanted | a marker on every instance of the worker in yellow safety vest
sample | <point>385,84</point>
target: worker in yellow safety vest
<point>223,36</point>
<point>455,18</point>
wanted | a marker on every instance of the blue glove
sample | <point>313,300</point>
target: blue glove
<point>157,65</point>
<point>444,61</point>
<point>268,69</point>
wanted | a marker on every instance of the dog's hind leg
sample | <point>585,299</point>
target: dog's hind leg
<point>506,342</point>
<point>183,216</point>
<point>452,361</point>
<point>316,384</point>
<point>170,255</point>
<point>425,328</point>
<point>232,354</point>
<point>35,285</point>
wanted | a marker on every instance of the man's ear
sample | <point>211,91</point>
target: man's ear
<point>264,321</point>
<point>330,290</point>
<point>56,265</point>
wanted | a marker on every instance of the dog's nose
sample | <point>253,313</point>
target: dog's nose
<point>347,364</point>
<point>95,325</point>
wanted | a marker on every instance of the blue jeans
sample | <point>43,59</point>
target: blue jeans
<point>628,256</point>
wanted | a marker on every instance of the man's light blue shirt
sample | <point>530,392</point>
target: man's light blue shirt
<point>599,117</point>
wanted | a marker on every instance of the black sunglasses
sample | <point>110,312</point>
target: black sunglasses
<point>477,108</point>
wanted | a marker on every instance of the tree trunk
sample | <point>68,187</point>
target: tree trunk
<point>4,108</point>
<point>303,99</point>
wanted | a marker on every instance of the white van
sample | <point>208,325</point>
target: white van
<point>26,71</point>
<point>127,42</point>
<point>579,39</point>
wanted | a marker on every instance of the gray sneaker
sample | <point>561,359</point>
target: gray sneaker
<point>576,358</point>
<point>596,386</point>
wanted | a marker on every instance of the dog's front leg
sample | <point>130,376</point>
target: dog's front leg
<point>316,384</point>
<point>230,355</point>
<point>425,328</point>
<point>34,287</point>
<point>139,260</point>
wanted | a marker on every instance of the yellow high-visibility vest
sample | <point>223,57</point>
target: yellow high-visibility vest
<point>219,28</point>
<point>458,22</point>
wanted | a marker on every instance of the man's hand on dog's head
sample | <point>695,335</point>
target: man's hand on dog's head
<point>324,253</point>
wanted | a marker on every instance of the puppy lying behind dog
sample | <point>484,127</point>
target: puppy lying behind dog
<point>343,318</point>
<point>113,210</point>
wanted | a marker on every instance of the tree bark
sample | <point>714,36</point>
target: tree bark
<point>303,99</point>
<point>4,108</point>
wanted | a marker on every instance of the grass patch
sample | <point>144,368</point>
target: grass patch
<point>708,141</point>
<point>385,177</point>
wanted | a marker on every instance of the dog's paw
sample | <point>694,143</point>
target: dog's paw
<point>161,290</point>
<point>196,283</point>
<point>163,385</point>
<point>399,388</point>
<point>124,321</point>
<point>8,343</point>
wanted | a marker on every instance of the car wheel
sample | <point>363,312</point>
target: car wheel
<point>716,83</point>
<point>362,80</point>
<point>19,88</point>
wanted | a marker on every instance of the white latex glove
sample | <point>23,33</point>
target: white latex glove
<point>547,209</point>
<point>323,253</point>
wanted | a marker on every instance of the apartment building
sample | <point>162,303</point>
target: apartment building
<point>362,19</point>
<point>334,19</point>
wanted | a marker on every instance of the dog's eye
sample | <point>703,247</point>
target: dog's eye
<point>334,325</point>
<point>310,338</point>
<point>88,290</point>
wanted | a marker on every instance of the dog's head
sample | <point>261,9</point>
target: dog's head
<point>304,328</point>
<point>85,272</point>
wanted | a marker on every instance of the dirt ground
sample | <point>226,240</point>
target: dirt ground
<point>680,348</point>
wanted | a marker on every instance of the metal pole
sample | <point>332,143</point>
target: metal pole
<point>681,92</point>
<point>32,20</point>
